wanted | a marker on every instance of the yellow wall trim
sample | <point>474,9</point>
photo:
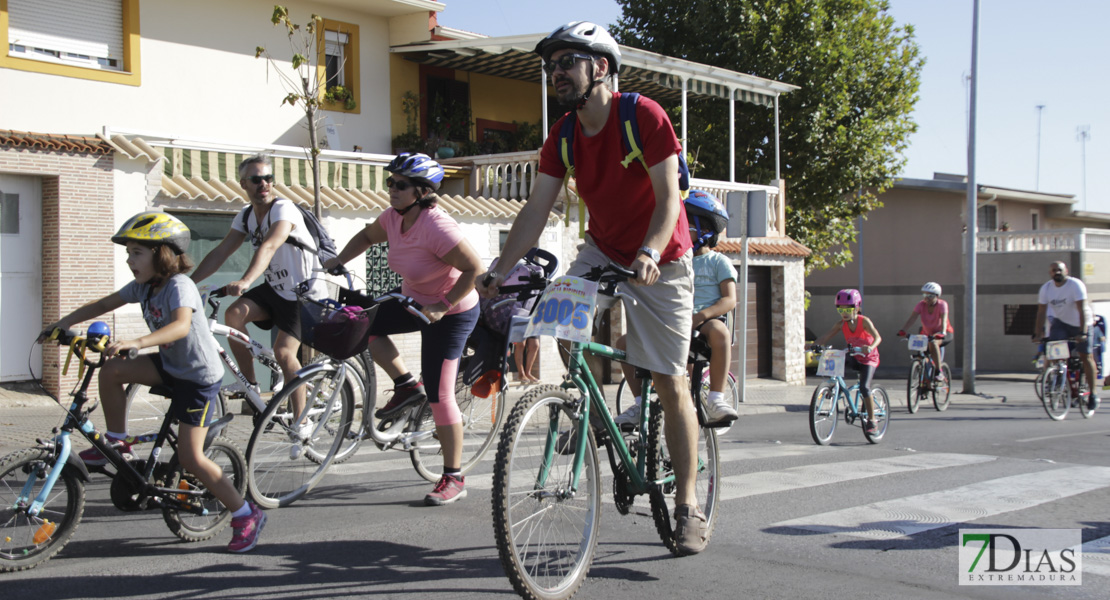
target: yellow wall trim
<point>351,68</point>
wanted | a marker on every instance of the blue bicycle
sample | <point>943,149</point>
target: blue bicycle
<point>834,393</point>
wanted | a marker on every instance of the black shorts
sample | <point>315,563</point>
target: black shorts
<point>286,314</point>
<point>722,318</point>
<point>191,403</point>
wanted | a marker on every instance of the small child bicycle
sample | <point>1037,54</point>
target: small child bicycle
<point>824,411</point>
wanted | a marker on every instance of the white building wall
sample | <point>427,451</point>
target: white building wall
<point>200,80</point>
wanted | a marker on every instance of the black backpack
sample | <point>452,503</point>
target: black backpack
<point>325,246</point>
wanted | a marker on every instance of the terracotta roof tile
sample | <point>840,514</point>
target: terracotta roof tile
<point>764,246</point>
<point>53,141</point>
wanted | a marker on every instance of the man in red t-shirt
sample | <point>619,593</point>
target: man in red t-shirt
<point>636,220</point>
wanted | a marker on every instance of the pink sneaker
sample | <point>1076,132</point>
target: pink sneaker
<point>448,490</point>
<point>94,458</point>
<point>246,530</point>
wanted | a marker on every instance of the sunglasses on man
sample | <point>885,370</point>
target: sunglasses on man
<point>400,186</point>
<point>258,179</point>
<point>564,62</point>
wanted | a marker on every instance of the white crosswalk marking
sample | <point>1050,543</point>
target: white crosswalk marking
<point>766,482</point>
<point>914,514</point>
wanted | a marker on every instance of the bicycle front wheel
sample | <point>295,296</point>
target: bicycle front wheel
<point>661,468</point>
<point>546,530</point>
<point>1054,393</point>
<point>26,540</point>
<point>286,460</point>
<point>913,387</point>
<point>625,397</point>
<point>823,414</point>
<point>193,527</point>
<point>942,389</point>
<point>881,403</point>
<point>481,418</point>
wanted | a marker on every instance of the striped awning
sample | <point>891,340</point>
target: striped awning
<point>211,176</point>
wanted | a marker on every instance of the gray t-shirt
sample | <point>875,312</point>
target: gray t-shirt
<point>193,357</point>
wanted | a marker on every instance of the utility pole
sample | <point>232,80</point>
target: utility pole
<point>1083,133</point>
<point>1037,180</point>
<point>972,238</point>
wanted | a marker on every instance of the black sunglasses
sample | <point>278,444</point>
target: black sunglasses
<point>257,179</point>
<point>564,62</point>
<point>400,185</point>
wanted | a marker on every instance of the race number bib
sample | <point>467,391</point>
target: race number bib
<point>832,363</point>
<point>566,310</point>
<point>918,343</point>
<point>1057,350</point>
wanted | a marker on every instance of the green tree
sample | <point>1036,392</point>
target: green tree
<point>842,133</point>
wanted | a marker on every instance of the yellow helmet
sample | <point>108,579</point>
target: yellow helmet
<point>153,228</point>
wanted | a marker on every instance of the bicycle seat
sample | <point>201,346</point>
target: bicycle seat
<point>699,349</point>
<point>162,390</point>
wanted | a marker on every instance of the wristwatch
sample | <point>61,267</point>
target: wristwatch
<point>651,253</point>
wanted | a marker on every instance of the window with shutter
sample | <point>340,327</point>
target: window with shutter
<point>337,45</point>
<point>90,39</point>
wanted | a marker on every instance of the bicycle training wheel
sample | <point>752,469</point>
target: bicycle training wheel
<point>823,414</point>
<point>546,532</point>
<point>284,461</point>
<point>1054,393</point>
<point>942,390</point>
<point>193,527</point>
<point>881,402</point>
<point>660,468</point>
<point>481,418</point>
<point>732,393</point>
<point>26,541</point>
<point>913,387</point>
<point>365,387</point>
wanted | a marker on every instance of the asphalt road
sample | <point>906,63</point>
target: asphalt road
<point>797,520</point>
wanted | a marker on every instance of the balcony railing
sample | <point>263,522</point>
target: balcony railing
<point>512,176</point>
<point>1045,240</point>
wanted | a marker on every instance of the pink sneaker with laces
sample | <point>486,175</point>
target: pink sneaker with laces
<point>247,529</point>
<point>94,458</point>
<point>448,490</point>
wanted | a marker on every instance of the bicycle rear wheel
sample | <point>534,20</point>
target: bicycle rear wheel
<point>193,527</point>
<point>913,387</point>
<point>26,541</point>
<point>546,532</point>
<point>1084,396</point>
<point>823,414</point>
<point>942,389</point>
<point>1054,393</point>
<point>659,466</point>
<point>881,402</point>
<point>285,461</point>
<point>481,418</point>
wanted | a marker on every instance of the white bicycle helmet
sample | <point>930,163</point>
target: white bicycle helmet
<point>931,288</point>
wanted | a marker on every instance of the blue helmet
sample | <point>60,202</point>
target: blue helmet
<point>706,214</point>
<point>420,167</point>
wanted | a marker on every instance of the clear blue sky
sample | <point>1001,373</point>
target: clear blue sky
<point>1030,52</point>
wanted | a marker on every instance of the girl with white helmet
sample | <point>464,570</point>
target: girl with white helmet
<point>934,323</point>
<point>438,266</point>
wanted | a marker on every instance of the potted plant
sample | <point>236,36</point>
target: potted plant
<point>447,149</point>
<point>338,94</point>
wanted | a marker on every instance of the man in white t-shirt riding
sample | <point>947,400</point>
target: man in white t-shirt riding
<point>272,223</point>
<point>1064,300</point>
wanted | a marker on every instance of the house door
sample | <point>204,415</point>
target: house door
<point>20,274</point>
<point>758,323</point>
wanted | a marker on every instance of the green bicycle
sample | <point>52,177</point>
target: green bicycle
<point>547,478</point>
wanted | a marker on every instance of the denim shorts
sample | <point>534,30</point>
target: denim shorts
<point>1060,330</point>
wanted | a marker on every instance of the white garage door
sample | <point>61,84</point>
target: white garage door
<point>20,275</point>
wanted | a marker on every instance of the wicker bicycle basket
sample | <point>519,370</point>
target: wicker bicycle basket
<point>337,324</point>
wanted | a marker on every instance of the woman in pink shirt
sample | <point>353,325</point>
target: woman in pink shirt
<point>438,267</point>
<point>934,322</point>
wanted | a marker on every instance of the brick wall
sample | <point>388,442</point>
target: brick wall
<point>77,222</point>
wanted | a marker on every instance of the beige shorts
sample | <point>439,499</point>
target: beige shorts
<point>659,322</point>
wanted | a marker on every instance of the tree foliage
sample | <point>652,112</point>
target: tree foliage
<point>842,134</point>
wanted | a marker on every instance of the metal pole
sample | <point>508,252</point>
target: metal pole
<point>1084,134</point>
<point>859,251</point>
<point>741,324</point>
<point>971,238</point>
<point>732,137</point>
<point>1037,179</point>
<point>543,105</point>
<point>778,174</point>
<point>685,146</point>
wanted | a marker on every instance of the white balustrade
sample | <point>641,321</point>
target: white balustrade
<point>1043,240</point>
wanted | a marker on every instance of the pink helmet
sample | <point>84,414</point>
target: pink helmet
<point>849,297</point>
